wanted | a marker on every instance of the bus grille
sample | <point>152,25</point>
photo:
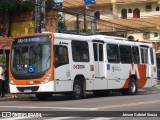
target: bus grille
<point>32,88</point>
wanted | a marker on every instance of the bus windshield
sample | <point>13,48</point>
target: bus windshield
<point>31,55</point>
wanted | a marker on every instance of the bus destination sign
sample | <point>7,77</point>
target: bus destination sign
<point>28,40</point>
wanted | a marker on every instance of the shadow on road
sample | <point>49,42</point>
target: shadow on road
<point>90,95</point>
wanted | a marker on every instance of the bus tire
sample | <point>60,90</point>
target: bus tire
<point>77,90</point>
<point>133,87</point>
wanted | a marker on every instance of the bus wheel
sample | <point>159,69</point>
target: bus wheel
<point>133,88</point>
<point>77,90</point>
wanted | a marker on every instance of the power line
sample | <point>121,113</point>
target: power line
<point>81,13</point>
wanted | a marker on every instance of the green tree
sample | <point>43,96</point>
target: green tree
<point>3,60</point>
<point>9,7</point>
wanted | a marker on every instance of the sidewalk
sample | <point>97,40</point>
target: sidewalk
<point>7,97</point>
<point>157,86</point>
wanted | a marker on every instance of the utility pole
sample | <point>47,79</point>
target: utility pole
<point>93,26</point>
<point>78,25</point>
<point>84,11</point>
<point>40,16</point>
<point>43,21</point>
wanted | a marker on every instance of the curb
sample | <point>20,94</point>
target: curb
<point>7,98</point>
<point>157,86</point>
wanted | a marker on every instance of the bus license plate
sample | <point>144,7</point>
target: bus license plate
<point>27,90</point>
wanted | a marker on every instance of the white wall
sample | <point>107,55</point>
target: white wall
<point>143,11</point>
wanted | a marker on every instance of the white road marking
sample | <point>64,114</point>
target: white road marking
<point>101,118</point>
<point>64,108</point>
<point>60,118</point>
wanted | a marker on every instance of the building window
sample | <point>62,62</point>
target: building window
<point>130,10</point>
<point>157,8</point>
<point>136,13</point>
<point>155,34</point>
<point>124,14</point>
<point>97,15</point>
<point>131,38</point>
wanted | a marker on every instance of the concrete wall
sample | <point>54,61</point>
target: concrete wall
<point>24,23</point>
<point>143,11</point>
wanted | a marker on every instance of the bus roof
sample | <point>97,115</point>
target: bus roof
<point>104,38</point>
<point>108,39</point>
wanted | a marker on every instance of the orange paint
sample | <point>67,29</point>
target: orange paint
<point>38,80</point>
<point>143,79</point>
<point>142,69</point>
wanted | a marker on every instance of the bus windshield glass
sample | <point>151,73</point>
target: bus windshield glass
<point>31,55</point>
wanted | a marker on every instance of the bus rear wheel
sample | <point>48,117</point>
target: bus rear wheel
<point>133,88</point>
<point>77,90</point>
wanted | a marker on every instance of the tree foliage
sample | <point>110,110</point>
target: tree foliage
<point>14,6</point>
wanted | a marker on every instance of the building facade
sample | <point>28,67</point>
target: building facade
<point>134,19</point>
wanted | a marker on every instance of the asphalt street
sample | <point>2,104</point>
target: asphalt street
<point>145,105</point>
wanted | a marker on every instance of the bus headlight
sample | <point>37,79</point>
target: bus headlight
<point>46,79</point>
<point>11,81</point>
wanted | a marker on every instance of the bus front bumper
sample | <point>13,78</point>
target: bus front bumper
<point>47,87</point>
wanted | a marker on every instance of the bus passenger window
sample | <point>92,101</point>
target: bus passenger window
<point>152,56</point>
<point>135,52</point>
<point>112,53</point>
<point>125,54</point>
<point>77,56</point>
<point>95,52</point>
<point>80,51</point>
<point>144,55</point>
<point>60,55</point>
<point>100,52</point>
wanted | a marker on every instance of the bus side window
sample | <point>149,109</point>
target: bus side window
<point>144,55</point>
<point>60,55</point>
<point>125,54</point>
<point>152,56</point>
<point>95,52</point>
<point>112,53</point>
<point>135,52</point>
<point>100,52</point>
<point>80,51</point>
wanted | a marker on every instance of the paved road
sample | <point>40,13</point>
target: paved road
<point>94,108</point>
